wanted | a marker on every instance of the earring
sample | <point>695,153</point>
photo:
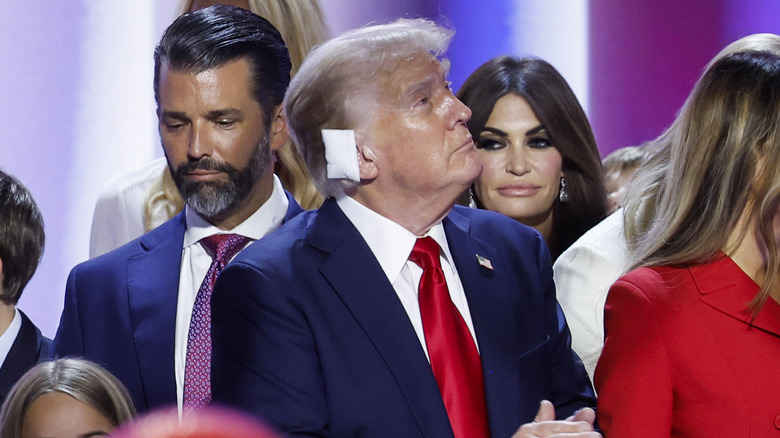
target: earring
<point>563,195</point>
<point>472,201</point>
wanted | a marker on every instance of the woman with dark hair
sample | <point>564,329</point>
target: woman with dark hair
<point>541,165</point>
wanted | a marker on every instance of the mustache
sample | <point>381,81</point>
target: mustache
<point>205,163</point>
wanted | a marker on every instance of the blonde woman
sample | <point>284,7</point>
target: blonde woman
<point>585,271</point>
<point>65,398</point>
<point>142,199</point>
<point>693,334</point>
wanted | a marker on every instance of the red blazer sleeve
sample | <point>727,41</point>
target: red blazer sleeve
<point>633,376</point>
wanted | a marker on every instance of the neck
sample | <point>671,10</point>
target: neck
<point>542,223</point>
<point>7,312</point>
<point>416,214</point>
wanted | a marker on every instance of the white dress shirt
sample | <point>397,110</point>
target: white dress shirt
<point>195,263</point>
<point>9,336</point>
<point>392,244</point>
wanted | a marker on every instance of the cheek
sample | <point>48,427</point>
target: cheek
<point>549,163</point>
<point>492,167</point>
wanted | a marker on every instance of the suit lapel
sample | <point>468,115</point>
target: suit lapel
<point>488,306</point>
<point>360,282</point>
<point>153,288</point>
<point>22,356</point>
<point>724,286</point>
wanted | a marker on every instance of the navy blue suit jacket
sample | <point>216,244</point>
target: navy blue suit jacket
<point>120,311</point>
<point>29,348</point>
<point>310,335</point>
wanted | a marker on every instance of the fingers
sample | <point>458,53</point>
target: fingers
<point>546,412</point>
<point>587,415</point>
<point>578,425</point>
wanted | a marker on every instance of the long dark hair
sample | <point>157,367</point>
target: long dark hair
<point>557,108</point>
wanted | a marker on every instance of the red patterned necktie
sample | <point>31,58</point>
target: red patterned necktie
<point>197,368</point>
<point>454,357</point>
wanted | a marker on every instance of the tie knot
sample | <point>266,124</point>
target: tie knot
<point>426,253</point>
<point>222,247</point>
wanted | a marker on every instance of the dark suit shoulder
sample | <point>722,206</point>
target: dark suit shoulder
<point>486,222</point>
<point>278,247</point>
<point>172,229</point>
<point>29,348</point>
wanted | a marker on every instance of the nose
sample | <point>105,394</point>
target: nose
<point>518,163</point>
<point>459,111</point>
<point>198,144</point>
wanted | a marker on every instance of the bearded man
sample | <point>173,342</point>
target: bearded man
<point>143,310</point>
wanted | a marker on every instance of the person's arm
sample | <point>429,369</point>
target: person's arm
<point>571,387</point>
<point>633,377</point>
<point>264,357</point>
<point>69,340</point>
<point>583,276</point>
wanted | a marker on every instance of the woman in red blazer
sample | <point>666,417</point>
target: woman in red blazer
<point>692,343</point>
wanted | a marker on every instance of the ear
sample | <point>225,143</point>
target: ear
<point>278,129</point>
<point>366,159</point>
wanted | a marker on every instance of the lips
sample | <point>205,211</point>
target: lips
<point>202,175</point>
<point>519,190</point>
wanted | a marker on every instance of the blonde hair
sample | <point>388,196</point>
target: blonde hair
<point>684,205</point>
<point>302,26</point>
<point>81,379</point>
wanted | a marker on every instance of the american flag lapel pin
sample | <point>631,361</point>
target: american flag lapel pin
<point>485,263</point>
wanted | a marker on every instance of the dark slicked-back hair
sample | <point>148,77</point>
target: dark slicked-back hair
<point>557,108</point>
<point>212,37</point>
<point>21,237</point>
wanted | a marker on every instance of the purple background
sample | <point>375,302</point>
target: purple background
<point>642,59</point>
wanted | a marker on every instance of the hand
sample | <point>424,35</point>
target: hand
<point>578,425</point>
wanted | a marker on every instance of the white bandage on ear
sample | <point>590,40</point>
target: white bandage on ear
<point>341,154</point>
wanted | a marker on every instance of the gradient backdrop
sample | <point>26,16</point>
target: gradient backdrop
<point>77,105</point>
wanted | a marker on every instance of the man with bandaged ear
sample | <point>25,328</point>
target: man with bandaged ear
<point>391,312</point>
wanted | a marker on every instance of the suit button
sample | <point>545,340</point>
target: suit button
<point>777,422</point>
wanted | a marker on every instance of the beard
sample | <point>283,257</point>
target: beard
<point>216,200</point>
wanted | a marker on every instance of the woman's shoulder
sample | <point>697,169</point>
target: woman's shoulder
<point>656,283</point>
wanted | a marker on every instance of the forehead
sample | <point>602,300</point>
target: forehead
<point>411,74</point>
<point>512,112</point>
<point>228,83</point>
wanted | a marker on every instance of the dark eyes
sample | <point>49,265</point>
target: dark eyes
<point>174,124</point>
<point>539,143</point>
<point>489,144</point>
<point>225,123</point>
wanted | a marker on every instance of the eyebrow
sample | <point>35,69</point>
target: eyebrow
<point>501,133</point>
<point>211,115</point>
<point>535,130</point>
<point>495,131</point>
<point>215,114</point>
<point>420,86</point>
<point>93,433</point>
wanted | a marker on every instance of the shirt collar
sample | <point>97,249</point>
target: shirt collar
<point>8,337</point>
<point>266,219</point>
<point>390,242</point>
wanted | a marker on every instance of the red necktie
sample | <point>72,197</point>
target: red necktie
<point>197,368</point>
<point>454,357</point>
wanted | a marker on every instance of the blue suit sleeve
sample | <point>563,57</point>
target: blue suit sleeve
<point>267,369</point>
<point>69,340</point>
